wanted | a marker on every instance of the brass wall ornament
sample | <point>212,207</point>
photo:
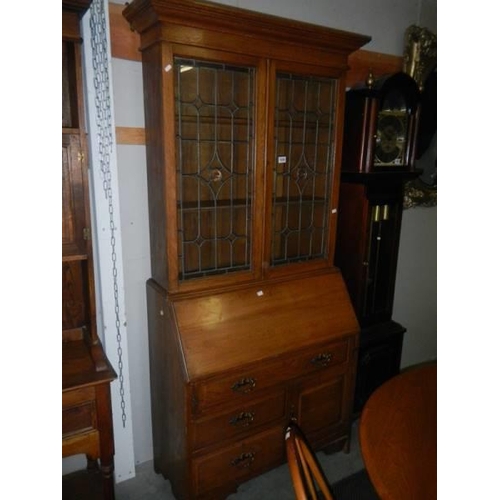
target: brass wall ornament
<point>420,54</point>
<point>420,62</point>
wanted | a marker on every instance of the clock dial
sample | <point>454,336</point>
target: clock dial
<point>391,139</point>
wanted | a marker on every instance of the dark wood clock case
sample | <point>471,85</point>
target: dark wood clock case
<point>367,105</point>
<point>369,225</point>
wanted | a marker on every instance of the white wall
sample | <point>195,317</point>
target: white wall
<point>415,298</point>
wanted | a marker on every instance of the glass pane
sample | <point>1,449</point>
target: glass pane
<point>304,120</point>
<point>215,163</point>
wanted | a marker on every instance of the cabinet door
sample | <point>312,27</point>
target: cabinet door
<point>215,114</point>
<point>302,167</point>
<point>73,198</point>
<point>322,406</point>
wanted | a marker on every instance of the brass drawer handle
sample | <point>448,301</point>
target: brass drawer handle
<point>243,461</point>
<point>323,359</point>
<point>244,419</point>
<point>244,385</point>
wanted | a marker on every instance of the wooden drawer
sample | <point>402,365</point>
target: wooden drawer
<point>238,386</point>
<point>240,420</point>
<point>78,419</point>
<point>237,463</point>
<point>79,412</point>
<point>77,396</point>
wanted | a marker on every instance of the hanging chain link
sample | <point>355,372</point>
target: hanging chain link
<point>99,43</point>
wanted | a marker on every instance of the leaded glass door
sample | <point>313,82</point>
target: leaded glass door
<point>215,166</point>
<point>304,130</point>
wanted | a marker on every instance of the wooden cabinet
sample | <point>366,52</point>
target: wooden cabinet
<point>250,323</point>
<point>86,372</point>
<point>229,370</point>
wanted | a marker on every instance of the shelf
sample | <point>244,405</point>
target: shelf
<point>79,367</point>
<point>296,200</point>
<point>385,176</point>
<point>75,257</point>
<point>212,205</point>
<point>71,130</point>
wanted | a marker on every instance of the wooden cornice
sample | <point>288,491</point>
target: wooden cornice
<point>248,24</point>
<point>125,44</point>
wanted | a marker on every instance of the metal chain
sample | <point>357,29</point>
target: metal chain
<point>99,43</point>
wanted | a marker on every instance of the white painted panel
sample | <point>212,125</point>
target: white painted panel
<point>135,239</point>
<point>128,95</point>
<point>107,242</point>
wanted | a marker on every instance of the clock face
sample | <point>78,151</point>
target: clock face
<point>391,138</point>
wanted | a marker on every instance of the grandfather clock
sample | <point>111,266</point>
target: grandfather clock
<point>381,124</point>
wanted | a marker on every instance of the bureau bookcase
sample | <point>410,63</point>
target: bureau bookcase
<point>250,324</point>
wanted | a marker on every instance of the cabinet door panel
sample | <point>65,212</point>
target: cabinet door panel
<point>303,163</point>
<point>321,403</point>
<point>73,192</point>
<point>215,154</point>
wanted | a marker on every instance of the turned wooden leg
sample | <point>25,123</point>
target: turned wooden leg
<point>106,440</point>
<point>108,482</point>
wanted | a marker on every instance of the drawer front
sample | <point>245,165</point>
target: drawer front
<point>78,396</point>
<point>240,386</point>
<point>237,463</point>
<point>78,419</point>
<point>240,420</point>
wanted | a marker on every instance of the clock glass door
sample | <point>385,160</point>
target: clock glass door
<point>391,138</point>
<point>392,131</point>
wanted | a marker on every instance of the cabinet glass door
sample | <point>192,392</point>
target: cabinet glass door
<point>303,164</point>
<point>214,111</point>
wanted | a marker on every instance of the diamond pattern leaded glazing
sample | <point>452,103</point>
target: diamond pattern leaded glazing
<point>304,121</point>
<point>214,148</point>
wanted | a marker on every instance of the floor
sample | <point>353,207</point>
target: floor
<point>275,484</point>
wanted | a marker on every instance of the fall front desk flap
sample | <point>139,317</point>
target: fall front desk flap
<point>229,329</point>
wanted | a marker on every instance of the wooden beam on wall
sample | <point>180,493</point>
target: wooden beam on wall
<point>130,135</point>
<point>362,62</point>
<point>124,41</point>
<point>125,45</point>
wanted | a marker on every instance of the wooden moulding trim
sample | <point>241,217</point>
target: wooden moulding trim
<point>247,24</point>
<point>125,45</point>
